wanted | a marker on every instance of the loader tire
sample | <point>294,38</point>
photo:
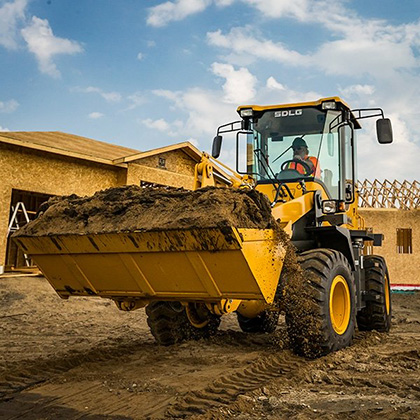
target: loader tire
<point>320,303</point>
<point>166,322</point>
<point>265,322</point>
<point>376,315</point>
<point>169,324</point>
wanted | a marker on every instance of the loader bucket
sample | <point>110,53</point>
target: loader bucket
<point>189,265</point>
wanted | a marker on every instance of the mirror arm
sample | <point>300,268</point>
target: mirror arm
<point>360,116</point>
<point>230,127</point>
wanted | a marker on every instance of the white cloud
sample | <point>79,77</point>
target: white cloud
<point>108,96</point>
<point>8,106</point>
<point>204,111</point>
<point>168,94</point>
<point>160,124</point>
<point>136,99</point>
<point>357,90</point>
<point>243,42</point>
<point>299,9</point>
<point>350,57</point>
<point>140,56</point>
<point>176,10</point>
<point>45,45</point>
<point>95,115</point>
<point>275,92</point>
<point>3,128</point>
<point>239,85</point>
<point>273,84</point>
<point>357,46</point>
<point>10,15</point>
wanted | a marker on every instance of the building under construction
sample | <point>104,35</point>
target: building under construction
<point>393,209</point>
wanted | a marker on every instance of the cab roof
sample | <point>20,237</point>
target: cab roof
<point>341,106</point>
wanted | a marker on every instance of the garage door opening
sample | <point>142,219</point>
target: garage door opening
<point>24,205</point>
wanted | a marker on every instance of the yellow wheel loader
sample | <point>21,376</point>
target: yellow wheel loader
<point>302,158</point>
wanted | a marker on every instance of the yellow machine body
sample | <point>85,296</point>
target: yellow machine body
<point>289,211</point>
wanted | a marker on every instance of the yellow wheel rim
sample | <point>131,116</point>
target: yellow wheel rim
<point>194,317</point>
<point>340,305</point>
<point>387,297</point>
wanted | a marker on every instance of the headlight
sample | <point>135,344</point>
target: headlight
<point>329,105</point>
<point>329,206</point>
<point>246,112</point>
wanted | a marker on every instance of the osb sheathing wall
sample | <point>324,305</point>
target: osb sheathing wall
<point>177,172</point>
<point>176,161</point>
<point>403,268</point>
<point>50,174</point>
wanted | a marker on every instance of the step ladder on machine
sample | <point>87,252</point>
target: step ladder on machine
<point>14,224</point>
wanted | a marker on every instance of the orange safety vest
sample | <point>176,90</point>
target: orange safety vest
<point>301,169</point>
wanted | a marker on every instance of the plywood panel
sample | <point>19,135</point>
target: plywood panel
<point>403,268</point>
<point>46,173</point>
<point>137,173</point>
<point>175,161</point>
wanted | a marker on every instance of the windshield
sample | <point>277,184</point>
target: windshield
<point>295,144</point>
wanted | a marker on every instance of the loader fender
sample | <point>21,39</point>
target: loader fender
<point>334,237</point>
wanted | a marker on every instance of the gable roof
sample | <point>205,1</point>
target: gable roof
<point>185,146</point>
<point>84,148</point>
<point>67,145</point>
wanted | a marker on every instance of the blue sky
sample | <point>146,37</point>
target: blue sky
<point>145,74</point>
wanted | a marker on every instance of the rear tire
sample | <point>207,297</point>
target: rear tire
<point>265,322</point>
<point>320,303</point>
<point>169,323</point>
<point>376,315</point>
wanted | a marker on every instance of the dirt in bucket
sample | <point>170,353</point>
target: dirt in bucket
<point>132,208</point>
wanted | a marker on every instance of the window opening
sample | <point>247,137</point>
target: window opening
<point>404,241</point>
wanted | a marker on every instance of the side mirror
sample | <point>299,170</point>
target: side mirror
<point>384,130</point>
<point>217,145</point>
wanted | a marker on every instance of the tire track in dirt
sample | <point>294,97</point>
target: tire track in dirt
<point>329,372</point>
<point>22,375</point>
<point>224,390</point>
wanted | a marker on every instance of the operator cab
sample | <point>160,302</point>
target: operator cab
<point>313,141</point>
<point>299,142</point>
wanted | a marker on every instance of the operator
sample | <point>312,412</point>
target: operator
<point>301,152</point>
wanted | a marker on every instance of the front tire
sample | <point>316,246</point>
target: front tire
<point>169,323</point>
<point>320,303</point>
<point>265,322</point>
<point>376,315</point>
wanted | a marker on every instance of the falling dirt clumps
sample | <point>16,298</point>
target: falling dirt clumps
<point>302,313</point>
<point>132,208</point>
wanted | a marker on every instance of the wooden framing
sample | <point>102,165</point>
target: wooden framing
<point>389,195</point>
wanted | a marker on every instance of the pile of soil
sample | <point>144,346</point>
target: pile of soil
<point>132,208</point>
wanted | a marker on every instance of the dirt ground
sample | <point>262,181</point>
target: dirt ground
<point>82,358</point>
